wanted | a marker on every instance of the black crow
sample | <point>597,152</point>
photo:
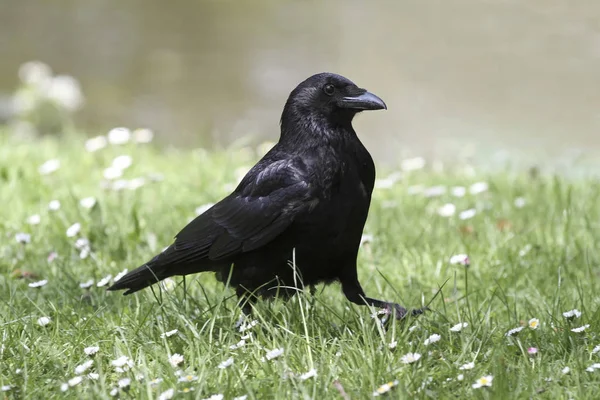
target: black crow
<point>308,196</point>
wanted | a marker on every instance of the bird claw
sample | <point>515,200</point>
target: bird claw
<point>400,312</point>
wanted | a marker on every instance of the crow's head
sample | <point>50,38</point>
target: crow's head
<point>328,98</point>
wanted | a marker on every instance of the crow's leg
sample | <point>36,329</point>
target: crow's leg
<point>354,292</point>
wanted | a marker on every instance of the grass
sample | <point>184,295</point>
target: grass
<point>536,261</point>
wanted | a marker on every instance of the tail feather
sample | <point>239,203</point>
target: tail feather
<point>141,278</point>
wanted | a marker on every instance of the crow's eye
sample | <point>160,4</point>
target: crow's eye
<point>329,89</point>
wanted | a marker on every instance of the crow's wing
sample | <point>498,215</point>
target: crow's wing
<point>261,208</point>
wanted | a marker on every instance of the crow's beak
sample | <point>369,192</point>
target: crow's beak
<point>363,101</point>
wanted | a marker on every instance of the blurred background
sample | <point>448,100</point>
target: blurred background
<point>503,74</point>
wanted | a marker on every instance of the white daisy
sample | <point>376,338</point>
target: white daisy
<point>96,143</point>
<point>432,339</point>
<point>87,284</point>
<point>460,377</point>
<point>43,321</point>
<point>64,387</point>
<point>87,202</point>
<point>410,358</point>
<point>239,344</point>
<point>412,164</point>
<point>478,187</point>
<point>93,376</point>
<point>467,214</point>
<point>484,381</point>
<point>459,327</point>
<point>112,173</point>
<point>565,370</point>
<point>467,366</point>
<point>307,375</point>
<point>435,191</point>
<point>215,397</point>
<point>596,349</point>
<point>143,135</point>
<point>167,394</point>
<point>580,329</point>
<point>244,397</point>
<point>23,238</point>
<point>122,162</point>
<point>122,364</point>
<point>80,369</point>
<point>5,388</point>
<point>386,387</point>
<point>447,210</point>
<point>38,283</point>
<point>75,381</point>
<point>461,259</point>
<point>572,314</point>
<point>520,202</point>
<point>124,383</point>
<point>514,331</point>
<point>175,359</point>
<point>34,219</point>
<point>91,350</point>
<point>248,325</point>
<point>393,344</point>
<point>49,167</point>
<point>187,378</point>
<point>136,183</point>
<point>169,333</point>
<point>104,281</point>
<point>119,135</point>
<point>274,353</point>
<point>114,392</point>
<point>54,205</point>
<point>74,229</point>
<point>534,323</point>
<point>458,191</point>
<point>226,363</point>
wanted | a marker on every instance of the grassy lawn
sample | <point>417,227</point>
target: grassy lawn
<point>533,246</point>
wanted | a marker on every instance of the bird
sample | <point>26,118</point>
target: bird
<point>296,218</point>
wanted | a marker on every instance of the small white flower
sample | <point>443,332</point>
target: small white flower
<point>23,238</point>
<point>520,202</point>
<point>96,143</point>
<point>143,135</point>
<point>596,349</point>
<point>393,344</point>
<point>390,181</point>
<point>122,162</point>
<point>447,210</point>
<point>135,183</point>
<point>122,364</point>
<point>523,252</point>
<point>82,243</point>
<point>580,329</point>
<point>274,353</point>
<point>74,229</point>
<point>38,283</point>
<point>572,314</point>
<point>459,327</point>
<point>91,350</point>
<point>43,321</point>
<point>307,375</point>
<point>239,344</point>
<point>155,381</point>
<point>80,369</point>
<point>410,358</point>
<point>187,378</point>
<point>167,394</point>
<point>54,205</point>
<point>248,325</point>
<point>459,191</point>
<point>35,219</point>
<point>114,392</point>
<point>175,359</point>
<point>93,376</point>
<point>104,281</point>
<point>467,214</point>
<point>435,191</point>
<point>124,383</point>
<point>478,187</point>
<point>412,164</point>
<point>64,387</point>
<point>593,367</point>
<point>5,388</point>
<point>514,331</point>
<point>386,387</point>
<point>75,381</point>
<point>461,259</point>
<point>484,381</point>
<point>467,366</point>
<point>413,328</point>
<point>215,397</point>
<point>169,333</point>
<point>120,275</point>
<point>244,397</point>
<point>460,377</point>
<point>226,363</point>
<point>432,339</point>
<point>65,91</point>
<point>112,173</point>
<point>119,135</point>
<point>534,323</point>
<point>565,370</point>
<point>35,73</point>
<point>49,167</point>
<point>87,202</point>
<point>87,284</point>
